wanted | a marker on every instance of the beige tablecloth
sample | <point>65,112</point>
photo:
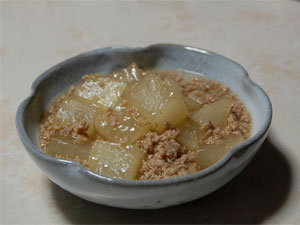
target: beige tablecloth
<point>263,36</point>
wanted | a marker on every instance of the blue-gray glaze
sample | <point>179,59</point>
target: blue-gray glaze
<point>78,180</point>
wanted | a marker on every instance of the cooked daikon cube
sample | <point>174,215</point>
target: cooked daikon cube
<point>100,91</point>
<point>114,160</point>
<point>121,123</point>
<point>66,148</point>
<point>159,101</point>
<point>190,134</point>
<point>210,154</point>
<point>191,104</point>
<point>217,113</point>
<point>128,75</point>
<point>75,111</point>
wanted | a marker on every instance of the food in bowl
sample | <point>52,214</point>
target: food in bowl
<point>135,124</point>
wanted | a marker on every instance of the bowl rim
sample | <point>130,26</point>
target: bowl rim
<point>122,182</point>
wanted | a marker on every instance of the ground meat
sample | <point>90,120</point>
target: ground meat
<point>166,157</point>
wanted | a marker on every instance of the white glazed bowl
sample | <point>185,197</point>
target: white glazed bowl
<point>140,194</point>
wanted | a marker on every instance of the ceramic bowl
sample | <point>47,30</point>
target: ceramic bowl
<point>140,194</point>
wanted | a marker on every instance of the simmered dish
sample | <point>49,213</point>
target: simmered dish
<point>135,124</point>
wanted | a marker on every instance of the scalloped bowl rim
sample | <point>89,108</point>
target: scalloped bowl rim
<point>122,182</point>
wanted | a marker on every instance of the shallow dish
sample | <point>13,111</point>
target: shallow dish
<point>142,194</point>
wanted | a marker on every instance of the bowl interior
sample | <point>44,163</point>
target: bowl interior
<point>199,62</point>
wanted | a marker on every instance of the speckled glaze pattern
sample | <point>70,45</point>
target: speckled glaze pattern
<point>76,179</point>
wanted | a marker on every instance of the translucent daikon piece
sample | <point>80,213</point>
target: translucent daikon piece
<point>122,123</point>
<point>100,91</point>
<point>212,153</point>
<point>65,147</point>
<point>159,101</point>
<point>128,75</point>
<point>190,134</point>
<point>191,104</point>
<point>217,113</point>
<point>114,160</point>
<point>74,111</point>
